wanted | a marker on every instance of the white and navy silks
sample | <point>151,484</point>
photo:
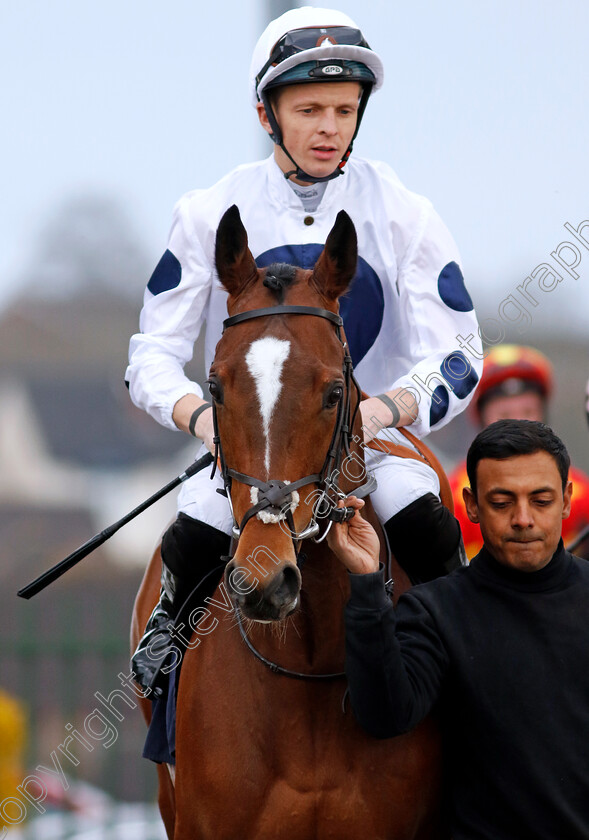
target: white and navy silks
<point>404,314</point>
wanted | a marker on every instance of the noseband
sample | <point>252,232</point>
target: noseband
<point>276,496</point>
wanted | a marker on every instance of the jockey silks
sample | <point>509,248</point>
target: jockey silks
<point>408,317</point>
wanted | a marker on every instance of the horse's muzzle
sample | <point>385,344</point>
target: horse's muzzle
<point>269,599</point>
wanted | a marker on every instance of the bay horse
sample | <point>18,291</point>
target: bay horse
<point>265,748</point>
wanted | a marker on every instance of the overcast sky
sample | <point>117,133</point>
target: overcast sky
<point>484,110</point>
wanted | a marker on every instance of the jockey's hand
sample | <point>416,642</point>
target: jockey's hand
<point>355,543</point>
<point>203,429</point>
<point>375,417</point>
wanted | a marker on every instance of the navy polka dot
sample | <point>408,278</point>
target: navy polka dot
<point>459,374</point>
<point>452,289</point>
<point>439,405</point>
<point>362,307</point>
<point>167,274</point>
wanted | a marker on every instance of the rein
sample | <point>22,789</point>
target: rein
<point>278,669</point>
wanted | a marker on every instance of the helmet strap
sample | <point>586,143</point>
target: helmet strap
<point>299,173</point>
<point>313,179</point>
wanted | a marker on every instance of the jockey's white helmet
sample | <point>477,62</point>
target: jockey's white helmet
<point>309,34</point>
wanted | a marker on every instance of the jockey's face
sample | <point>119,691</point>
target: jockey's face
<point>318,122</point>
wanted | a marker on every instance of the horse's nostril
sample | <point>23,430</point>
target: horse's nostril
<point>288,586</point>
<point>270,602</point>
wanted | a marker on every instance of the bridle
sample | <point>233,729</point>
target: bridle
<point>275,496</point>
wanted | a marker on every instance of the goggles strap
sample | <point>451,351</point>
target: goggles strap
<point>300,40</point>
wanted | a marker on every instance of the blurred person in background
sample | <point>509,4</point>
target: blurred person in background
<point>517,384</point>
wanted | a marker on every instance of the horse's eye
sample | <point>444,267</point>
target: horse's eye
<point>333,395</point>
<point>215,390</point>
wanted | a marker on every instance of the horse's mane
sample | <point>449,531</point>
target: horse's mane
<point>278,277</point>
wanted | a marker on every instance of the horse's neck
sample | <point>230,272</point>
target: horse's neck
<point>324,594</point>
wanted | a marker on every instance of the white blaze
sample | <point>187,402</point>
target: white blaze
<point>265,360</point>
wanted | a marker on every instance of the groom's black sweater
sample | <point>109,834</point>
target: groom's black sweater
<point>506,654</point>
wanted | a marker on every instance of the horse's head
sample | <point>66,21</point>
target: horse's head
<point>284,401</point>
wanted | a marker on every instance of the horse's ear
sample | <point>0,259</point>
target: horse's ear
<point>336,266</point>
<point>235,265</point>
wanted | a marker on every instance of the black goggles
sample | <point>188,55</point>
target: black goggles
<point>299,40</point>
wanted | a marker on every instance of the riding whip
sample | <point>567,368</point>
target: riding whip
<point>58,570</point>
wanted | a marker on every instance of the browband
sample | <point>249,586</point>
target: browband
<point>284,309</point>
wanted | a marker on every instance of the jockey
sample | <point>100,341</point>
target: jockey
<point>516,384</point>
<point>406,315</point>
